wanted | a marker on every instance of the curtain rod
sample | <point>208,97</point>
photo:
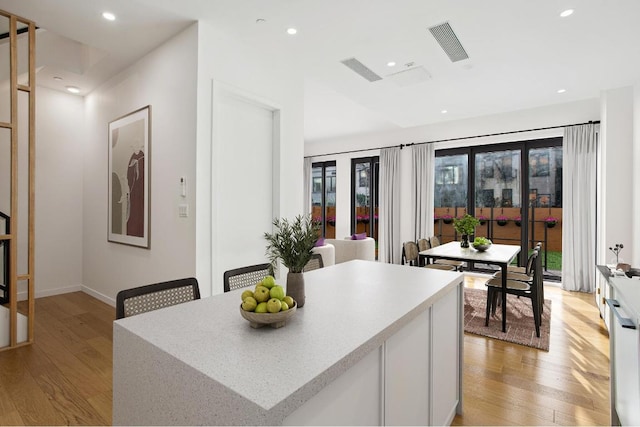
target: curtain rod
<point>457,139</point>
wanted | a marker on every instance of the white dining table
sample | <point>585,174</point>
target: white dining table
<point>500,255</point>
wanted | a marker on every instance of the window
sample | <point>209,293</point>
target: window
<point>323,196</point>
<point>521,181</point>
<point>364,191</point>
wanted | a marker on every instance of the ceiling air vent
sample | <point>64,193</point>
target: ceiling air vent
<point>449,42</point>
<point>361,69</point>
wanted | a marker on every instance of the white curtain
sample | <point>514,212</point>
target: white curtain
<point>579,207</point>
<point>389,249</point>
<point>422,190</point>
<point>307,184</point>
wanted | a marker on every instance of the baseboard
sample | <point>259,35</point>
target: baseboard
<point>22,296</point>
<point>97,295</point>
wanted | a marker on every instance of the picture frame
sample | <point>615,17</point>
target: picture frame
<point>129,188</point>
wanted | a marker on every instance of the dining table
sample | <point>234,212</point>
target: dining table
<point>496,254</point>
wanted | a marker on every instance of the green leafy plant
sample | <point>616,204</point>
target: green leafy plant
<point>466,225</point>
<point>292,241</point>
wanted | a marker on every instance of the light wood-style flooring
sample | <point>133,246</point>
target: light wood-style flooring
<point>64,378</point>
<point>509,384</point>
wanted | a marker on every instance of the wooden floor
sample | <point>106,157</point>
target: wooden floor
<point>509,384</point>
<point>64,378</point>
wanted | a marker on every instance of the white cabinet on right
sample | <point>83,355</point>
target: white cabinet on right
<point>624,336</point>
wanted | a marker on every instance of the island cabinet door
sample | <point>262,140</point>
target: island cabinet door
<point>407,376</point>
<point>351,399</point>
<point>446,358</point>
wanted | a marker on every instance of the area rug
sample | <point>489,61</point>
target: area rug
<point>520,326</point>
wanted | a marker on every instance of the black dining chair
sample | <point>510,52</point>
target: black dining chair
<point>433,242</point>
<point>410,254</point>
<point>130,302</point>
<point>245,276</point>
<point>529,289</point>
<point>314,263</point>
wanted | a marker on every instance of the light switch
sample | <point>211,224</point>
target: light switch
<point>183,186</point>
<point>183,211</point>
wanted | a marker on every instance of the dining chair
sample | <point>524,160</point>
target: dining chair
<point>522,269</point>
<point>410,253</point>
<point>245,276</point>
<point>526,273</point>
<point>529,289</point>
<point>130,302</point>
<point>314,263</point>
<point>433,242</point>
<point>423,244</point>
<point>440,267</point>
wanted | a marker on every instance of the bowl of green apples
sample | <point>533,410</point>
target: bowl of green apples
<point>481,244</point>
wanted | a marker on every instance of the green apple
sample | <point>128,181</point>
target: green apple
<point>277,292</point>
<point>288,300</point>
<point>249,304</point>
<point>269,282</point>
<point>259,284</point>
<point>274,305</point>
<point>246,294</point>
<point>261,294</point>
<point>285,306</point>
<point>261,308</point>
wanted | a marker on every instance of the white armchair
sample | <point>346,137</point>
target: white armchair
<point>327,252</point>
<point>347,249</point>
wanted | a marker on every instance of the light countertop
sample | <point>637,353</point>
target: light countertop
<point>351,309</point>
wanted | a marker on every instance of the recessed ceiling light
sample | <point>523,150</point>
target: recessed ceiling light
<point>562,90</point>
<point>109,16</point>
<point>73,89</point>
<point>56,78</point>
<point>291,31</point>
<point>444,111</point>
<point>566,13</point>
<point>391,64</point>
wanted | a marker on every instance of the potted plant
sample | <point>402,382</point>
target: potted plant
<point>483,219</point>
<point>465,226</point>
<point>291,242</point>
<point>550,221</point>
<point>502,220</point>
<point>518,220</point>
<point>447,219</point>
<point>331,220</point>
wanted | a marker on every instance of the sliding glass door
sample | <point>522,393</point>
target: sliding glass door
<point>514,189</point>
<point>323,196</point>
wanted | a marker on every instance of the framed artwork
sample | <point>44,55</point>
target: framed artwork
<point>129,186</point>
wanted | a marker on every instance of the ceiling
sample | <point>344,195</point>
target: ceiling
<point>521,52</point>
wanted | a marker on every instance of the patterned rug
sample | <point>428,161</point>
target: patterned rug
<point>520,326</point>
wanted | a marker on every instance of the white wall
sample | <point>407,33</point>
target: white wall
<point>60,143</point>
<point>635,259</point>
<point>617,168</point>
<point>554,115</point>
<point>272,79</point>
<point>165,79</point>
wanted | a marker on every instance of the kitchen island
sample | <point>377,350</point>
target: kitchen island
<point>375,344</point>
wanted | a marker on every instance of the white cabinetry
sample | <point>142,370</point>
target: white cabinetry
<point>625,351</point>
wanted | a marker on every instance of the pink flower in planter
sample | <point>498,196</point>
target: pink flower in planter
<point>502,220</point>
